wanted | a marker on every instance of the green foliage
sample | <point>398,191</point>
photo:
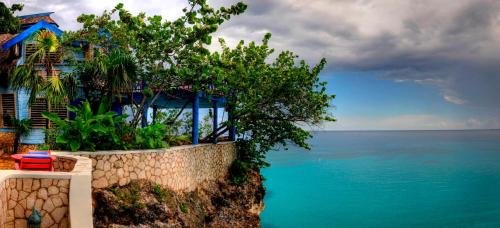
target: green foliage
<point>239,170</point>
<point>184,207</point>
<point>178,126</point>
<point>151,137</point>
<point>269,100</point>
<point>130,196</point>
<point>43,147</point>
<point>8,22</point>
<point>164,49</point>
<point>160,193</point>
<point>50,137</point>
<point>88,131</point>
<point>108,74</point>
<point>104,130</point>
<point>26,76</point>
<point>178,140</point>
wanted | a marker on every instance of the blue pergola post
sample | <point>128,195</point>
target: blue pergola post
<point>117,107</point>
<point>214,131</point>
<point>144,121</point>
<point>196,116</point>
<point>155,112</point>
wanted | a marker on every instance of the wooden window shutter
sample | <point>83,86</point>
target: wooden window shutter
<point>55,57</point>
<point>59,110</point>
<point>8,104</point>
<point>40,105</point>
<point>29,49</point>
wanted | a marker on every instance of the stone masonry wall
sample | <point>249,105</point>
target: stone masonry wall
<point>4,199</point>
<point>62,164</point>
<point>19,196</point>
<point>180,168</point>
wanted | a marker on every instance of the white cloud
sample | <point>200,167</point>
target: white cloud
<point>405,122</point>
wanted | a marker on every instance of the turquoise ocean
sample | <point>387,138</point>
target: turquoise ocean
<point>386,179</point>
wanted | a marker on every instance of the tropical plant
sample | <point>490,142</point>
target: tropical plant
<point>21,128</point>
<point>178,140</point>
<point>108,74</point>
<point>88,131</point>
<point>28,77</point>
<point>151,137</point>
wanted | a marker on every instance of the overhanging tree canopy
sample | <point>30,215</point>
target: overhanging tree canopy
<point>267,99</point>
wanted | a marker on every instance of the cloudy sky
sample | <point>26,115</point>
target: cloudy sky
<point>393,64</point>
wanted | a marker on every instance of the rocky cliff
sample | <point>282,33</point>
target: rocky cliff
<point>145,204</point>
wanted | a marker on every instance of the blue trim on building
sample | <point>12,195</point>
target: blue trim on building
<point>28,32</point>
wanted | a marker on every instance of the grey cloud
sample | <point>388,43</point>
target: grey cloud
<point>452,45</point>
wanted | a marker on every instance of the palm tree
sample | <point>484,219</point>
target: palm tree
<point>27,76</point>
<point>107,74</point>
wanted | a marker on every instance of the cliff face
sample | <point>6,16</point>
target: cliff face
<point>145,204</point>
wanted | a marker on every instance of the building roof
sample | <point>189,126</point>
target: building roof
<point>5,64</point>
<point>34,20</point>
<point>31,19</point>
<point>5,37</point>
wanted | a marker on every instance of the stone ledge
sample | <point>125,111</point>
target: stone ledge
<point>110,152</point>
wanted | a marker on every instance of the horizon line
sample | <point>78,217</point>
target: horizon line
<point>488,129</point>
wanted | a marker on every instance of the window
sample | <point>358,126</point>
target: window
<point>40,105</point>
<point>59,110</point>
<point>8,108</point>
<point>55,57</point>
<point>37,120</point>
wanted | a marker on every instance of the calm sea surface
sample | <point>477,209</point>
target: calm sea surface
<point>386,179</point>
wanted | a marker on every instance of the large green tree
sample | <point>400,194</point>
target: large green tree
<point>160,47</point>
<point>8,22</point>
<point>270,100</point>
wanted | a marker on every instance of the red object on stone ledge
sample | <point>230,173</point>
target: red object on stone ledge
<point>34,162</point>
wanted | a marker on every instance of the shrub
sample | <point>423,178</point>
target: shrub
<point>160,193</point>
<point>151,137</point>
<point>184,207</point>
<point>88,131</point>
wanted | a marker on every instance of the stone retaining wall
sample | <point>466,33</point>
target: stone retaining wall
<point>180,168</point>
